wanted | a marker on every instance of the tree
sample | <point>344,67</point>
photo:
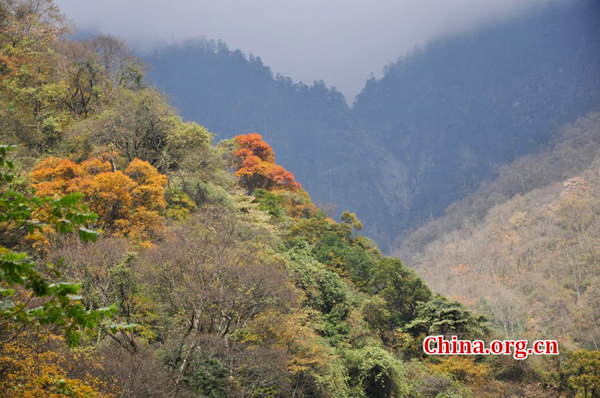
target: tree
<point>376,373</point>
<point>40,368</point>
<point>401,288</point>
<point>120,65</point>
<point>339,251</point>
<point>214,276</point>
<point>442,316</point>
<point>585,369</point>
<point>29,90</point>
<point>257,168</point>
<point>253,145</point>
<point>128,203</point>
<point>28,298</point>
<point>82,75</point>
<point>136,124</point>
<point>351,219</point>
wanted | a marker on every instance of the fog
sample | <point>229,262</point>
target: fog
<point>340,42</point>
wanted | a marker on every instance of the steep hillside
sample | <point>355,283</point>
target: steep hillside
<point>137,259</point>
<point>233,94</point>
<point>430,131</point>
<point>308,126</point>
<point>524,247</point>
<point>455,111</point>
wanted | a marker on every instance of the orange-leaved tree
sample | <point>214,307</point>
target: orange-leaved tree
<point>257,167</point>
<point>32,368</point>
<point>128,203</point>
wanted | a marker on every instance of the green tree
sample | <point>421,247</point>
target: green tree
<point>401,288</point>
<point>351,219</point>
<point>374,372</point>
<point>442,316</point>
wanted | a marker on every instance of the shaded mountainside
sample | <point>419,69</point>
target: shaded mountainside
<point>308,126</point>
<point>431,130</point>
<point>524,248</point>
<point>233,94</point>
<point>462,106</point>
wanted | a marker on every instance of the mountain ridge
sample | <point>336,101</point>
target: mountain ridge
<point>447,127</point>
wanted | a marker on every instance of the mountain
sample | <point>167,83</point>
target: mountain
<point>456,110</point>
<point>139,259</point>
<point>439,122</point>
<point>524,247</point>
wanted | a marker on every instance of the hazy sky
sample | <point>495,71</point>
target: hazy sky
<point>340,42</point>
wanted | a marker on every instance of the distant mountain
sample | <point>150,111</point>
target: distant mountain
<point>438,123</point>
<point>523,248</point>
<point>459,108</point>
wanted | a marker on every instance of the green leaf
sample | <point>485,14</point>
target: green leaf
<point>7,292</point>
<point>6,305</point>
<point>87,234</point>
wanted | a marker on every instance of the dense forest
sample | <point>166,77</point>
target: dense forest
<point>139,258</point>
<point>439,122</point>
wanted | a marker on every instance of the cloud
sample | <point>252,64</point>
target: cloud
<point>338,41</point>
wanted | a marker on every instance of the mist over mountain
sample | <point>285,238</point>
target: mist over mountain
<point>439,122</point>
<point>294,37</point>
<point>455,111</point>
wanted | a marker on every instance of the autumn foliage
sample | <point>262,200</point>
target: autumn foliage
<point>257,167</point>
<point>128,203</point>
<point>259,295</point>
<point>30,371</point>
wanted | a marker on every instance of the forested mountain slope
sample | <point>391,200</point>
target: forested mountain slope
<point>137,259</point>
<point>524,248</point>
<point>455,111</point>
<point>431,130</point>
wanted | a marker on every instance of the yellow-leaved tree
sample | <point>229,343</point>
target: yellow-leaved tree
<point>128,203</point>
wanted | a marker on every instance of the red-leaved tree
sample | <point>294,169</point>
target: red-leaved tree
<point>257,167</point>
